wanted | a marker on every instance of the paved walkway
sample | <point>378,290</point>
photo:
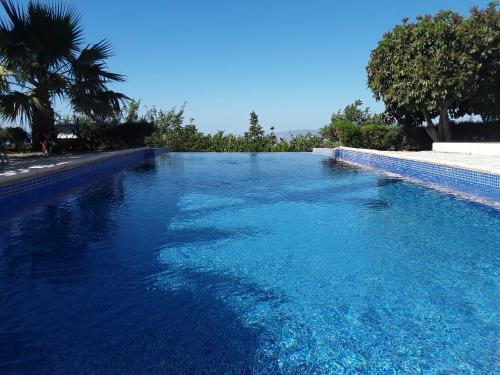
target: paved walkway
<point>25,167</point>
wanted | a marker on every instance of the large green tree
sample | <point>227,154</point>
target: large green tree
<point>255,133</point>
<point>439,66</point>
<point>43,56</point>
<point>481,32</point>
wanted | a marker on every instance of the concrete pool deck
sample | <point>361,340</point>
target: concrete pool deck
<point>22,167</point>
<point>480,163</point>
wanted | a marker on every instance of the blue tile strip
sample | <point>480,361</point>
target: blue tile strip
<point>476,183</point>
<point>82,172</point>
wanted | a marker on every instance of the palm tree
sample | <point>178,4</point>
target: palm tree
<point>42,57</point>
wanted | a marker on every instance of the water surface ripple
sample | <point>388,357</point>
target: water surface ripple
<point>249,263</point>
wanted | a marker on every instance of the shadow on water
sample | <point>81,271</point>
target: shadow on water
<point>62,189</point>
<point>113,329</point>
<point>85,304</point>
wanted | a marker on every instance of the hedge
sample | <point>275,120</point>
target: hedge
<point>92,136</point>
<point>378,137</point>
<point>15,137</point>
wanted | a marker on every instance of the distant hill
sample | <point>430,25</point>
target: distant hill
<point>293,133</point>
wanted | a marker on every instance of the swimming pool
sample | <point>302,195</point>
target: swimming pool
<point>249,263</point>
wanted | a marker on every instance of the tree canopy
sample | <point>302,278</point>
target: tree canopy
<point>440,66</point>
<point>43,56</point>
<point>171,132</point>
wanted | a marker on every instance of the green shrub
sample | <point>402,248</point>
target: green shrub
<point>349,134</point>
<point>93,136</point>
<point>470,131</point>
<point>373,136</point>
<point>305,142</point>
<point>90,136</point>
<point>129,134</point>
<point>380,137</point>
<point>15,137</point>
<point>415,138</point>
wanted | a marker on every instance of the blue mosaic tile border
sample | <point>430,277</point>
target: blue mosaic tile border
<point>479,184</point>
<point>98,167</point>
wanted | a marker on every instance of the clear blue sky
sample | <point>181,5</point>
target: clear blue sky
<point>293,62</point>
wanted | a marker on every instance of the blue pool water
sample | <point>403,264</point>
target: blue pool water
<point>249,263</point>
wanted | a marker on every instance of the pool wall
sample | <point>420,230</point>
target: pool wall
<point>78,173</point>
<point>461,180</point>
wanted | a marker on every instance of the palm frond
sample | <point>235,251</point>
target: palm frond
<point>100,106</point>
<point>90,64</point>
<point>56,83</point>
<point>4,83</point>
<point>16,105</point>
<point>56,32</point>
<point>15,14</point>
<point>47,34</point>
<point>99,51</point>
<point>41,55</point>
<point>13,34</point>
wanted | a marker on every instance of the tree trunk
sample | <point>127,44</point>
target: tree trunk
<point>441,133</point>
<point>42,127</point>
<point>444,125</point>
<point>431,128</point>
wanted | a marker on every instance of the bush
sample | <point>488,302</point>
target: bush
<point>378,137</point>
<point>415,138</point>
<point>15,137</point>
<point>381,137</point>
<point>305,142</point>
<point>129,134</point>
<point>469,131</point>
<point>348,134</point>
<point>92,136</point>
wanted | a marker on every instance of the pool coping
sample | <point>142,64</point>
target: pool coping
<point>480,184</point>
<point>97,157</point>
<point>76,170</point>
<point>416,157</point>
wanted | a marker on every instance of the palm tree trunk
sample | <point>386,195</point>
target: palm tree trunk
<point>42,127</point>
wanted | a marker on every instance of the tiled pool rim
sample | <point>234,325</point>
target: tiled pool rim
<point>74,172</point>
<point>474,184</point>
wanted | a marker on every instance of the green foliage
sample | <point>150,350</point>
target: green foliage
<point>14,136</point>
<point>352,114</point>
<point>357,127</point>
<point>130,111</point>
<point>172,134</point>
<point>482,33</point>
<point>439,65</point>
<point>102,136</point>
<point>170,131</point>
<point>255,135</point>
<point>90,135</point>
<point>128,134</point>
<point>378,137</point>
<point>469,131</point>
<point>354,126</point>
<point>43,56</point>
<point>305,143</point>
